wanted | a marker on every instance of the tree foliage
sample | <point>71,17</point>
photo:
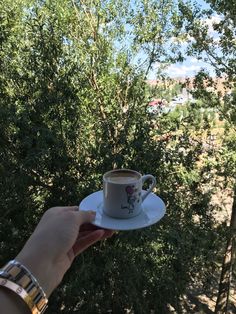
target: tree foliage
<point>72,106</point>
<point>216,45</point>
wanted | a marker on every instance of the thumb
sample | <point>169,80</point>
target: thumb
<point>83,217</point>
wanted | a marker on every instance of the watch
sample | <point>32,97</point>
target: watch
<point>19,279</point>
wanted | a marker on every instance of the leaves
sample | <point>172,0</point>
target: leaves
<point>72,106</point>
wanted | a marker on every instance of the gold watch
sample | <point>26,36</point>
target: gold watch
<point>19,279</point>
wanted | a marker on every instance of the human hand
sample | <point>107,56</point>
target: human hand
<point>62,234</point>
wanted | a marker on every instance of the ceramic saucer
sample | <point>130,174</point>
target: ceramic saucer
<point>153,211</point>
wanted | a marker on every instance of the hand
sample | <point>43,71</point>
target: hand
<point>62,234</point>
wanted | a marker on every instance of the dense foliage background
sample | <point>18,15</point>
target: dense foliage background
<point>73,100</point>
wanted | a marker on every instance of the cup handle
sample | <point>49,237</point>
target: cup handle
<point>145,178</point>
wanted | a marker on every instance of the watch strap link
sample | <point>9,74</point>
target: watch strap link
<point>17,275</point>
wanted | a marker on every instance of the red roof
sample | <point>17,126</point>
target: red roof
<point>155,102</point>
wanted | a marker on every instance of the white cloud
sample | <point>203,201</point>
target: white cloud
<point>189,68</point>
<point>215,19</point>
<point>209,22</point>
<point>181,39</point>
<point>183,70</point>
<point>193,60</point>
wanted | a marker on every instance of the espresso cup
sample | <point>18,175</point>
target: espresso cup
<point>122,192</point>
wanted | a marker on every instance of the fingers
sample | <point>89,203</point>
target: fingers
<point>107,233</point>
<point>72,208</point>
<point>88,227</point>
<point>83,217</point>
<point>87,240</point>
<point>63,208</point>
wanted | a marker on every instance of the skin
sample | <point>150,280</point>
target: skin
<point>61,235</point>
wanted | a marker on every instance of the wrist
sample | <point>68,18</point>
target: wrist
<point>41,268</point>
<point>39,257</point>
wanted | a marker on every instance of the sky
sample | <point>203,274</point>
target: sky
<point>191,65</point>
<point>189,68</point>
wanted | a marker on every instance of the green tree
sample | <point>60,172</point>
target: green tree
<point>218,48</point>
<point>73,105</point>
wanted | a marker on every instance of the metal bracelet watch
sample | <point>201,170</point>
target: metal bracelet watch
<point>17,275</point>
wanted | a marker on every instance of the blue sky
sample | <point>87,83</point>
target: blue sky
<point>191,65</point>
<point>189,68</point>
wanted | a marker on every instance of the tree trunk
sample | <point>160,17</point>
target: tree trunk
<point>226,272</point>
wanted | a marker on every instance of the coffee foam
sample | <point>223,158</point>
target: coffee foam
<point>122,177</point>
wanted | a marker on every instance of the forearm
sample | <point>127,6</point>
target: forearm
<point>12,303</point>
<point>45,258</point>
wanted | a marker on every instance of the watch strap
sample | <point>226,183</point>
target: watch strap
<point>18,274</point>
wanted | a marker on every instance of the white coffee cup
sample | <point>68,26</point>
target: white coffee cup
<point>122,192</point>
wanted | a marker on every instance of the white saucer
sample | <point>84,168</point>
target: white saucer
<point>153,210</point>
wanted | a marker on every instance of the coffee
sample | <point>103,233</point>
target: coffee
<point>122,177</point>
